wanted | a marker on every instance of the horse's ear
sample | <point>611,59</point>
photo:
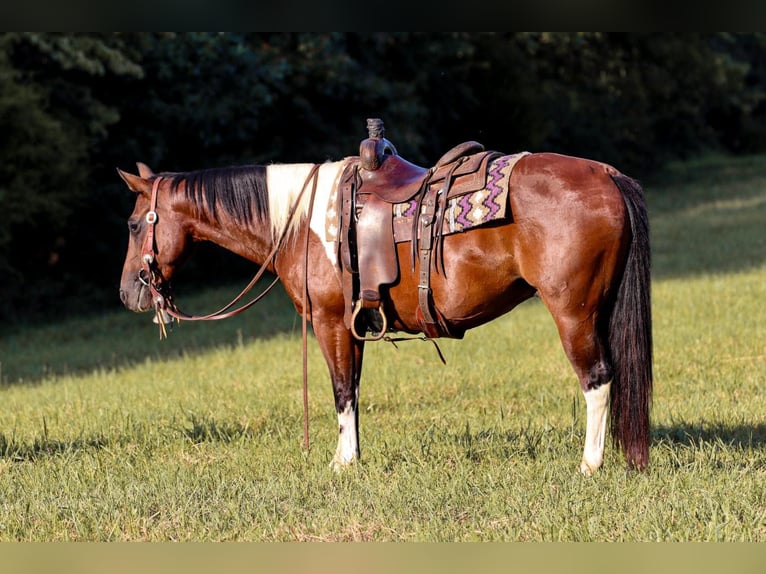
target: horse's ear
<point>135,182</point>
<point>144,170</point>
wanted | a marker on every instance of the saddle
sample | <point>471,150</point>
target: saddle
<point>370,187</point>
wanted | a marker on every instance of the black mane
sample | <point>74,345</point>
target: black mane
<point>240,192</point>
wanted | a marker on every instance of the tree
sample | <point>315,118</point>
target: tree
<point>51,122</point>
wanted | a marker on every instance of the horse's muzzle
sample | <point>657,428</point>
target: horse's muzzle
<point>136,297</point>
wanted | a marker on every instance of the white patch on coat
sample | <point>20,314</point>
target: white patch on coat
<point>285,182</point>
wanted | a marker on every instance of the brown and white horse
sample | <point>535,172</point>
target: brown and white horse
<point>577,236</point>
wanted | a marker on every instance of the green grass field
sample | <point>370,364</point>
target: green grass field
<point>106,433</point>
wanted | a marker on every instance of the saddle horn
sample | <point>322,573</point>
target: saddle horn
<point>373,150</point>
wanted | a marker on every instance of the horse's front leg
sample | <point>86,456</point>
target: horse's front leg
<point>344,359</point>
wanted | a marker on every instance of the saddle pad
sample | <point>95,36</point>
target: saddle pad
<point>463,212</point>
<point>467,210</point>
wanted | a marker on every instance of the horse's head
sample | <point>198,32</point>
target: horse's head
<point>158,242</point>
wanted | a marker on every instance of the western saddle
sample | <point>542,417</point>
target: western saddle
<point>370,187</point>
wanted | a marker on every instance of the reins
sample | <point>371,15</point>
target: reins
<point>164,304</point>
<point>304,311</point>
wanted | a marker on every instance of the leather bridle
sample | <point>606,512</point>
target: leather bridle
<point>162,298</point>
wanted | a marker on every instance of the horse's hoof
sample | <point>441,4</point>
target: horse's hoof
<point>587,469</point>
<point>339,465</point>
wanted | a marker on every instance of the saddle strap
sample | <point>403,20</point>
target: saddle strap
<point>426,226</point>
<point>347,200</point>
<point>348,252</point>
<point>429,239</point>
<point>430,321</point>
<point>441,211</point>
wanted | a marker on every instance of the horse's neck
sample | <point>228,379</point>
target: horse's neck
<point>289,197</point>
<point>253,241</point>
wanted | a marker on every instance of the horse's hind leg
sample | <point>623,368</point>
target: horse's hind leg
<point>586,354</point>
<point>344,359</point>
<point>579,330</point>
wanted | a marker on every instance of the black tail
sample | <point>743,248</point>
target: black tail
<point>630,336</point>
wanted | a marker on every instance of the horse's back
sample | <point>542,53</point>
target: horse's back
<point>565,178</point>
<point>557,193</point>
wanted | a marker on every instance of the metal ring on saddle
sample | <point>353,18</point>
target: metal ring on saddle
<point>374,336</point>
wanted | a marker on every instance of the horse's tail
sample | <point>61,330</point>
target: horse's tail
<point>630,336</point>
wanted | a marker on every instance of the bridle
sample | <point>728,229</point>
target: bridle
<point>162,298</point>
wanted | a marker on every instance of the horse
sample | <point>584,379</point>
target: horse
<point>576,236</point>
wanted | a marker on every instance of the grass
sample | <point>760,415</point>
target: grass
<point>108,434</point>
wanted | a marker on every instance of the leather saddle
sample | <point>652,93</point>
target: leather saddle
<point>370,187</point>
<point>393,179</point>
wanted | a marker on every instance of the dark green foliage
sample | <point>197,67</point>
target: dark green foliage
<point>75,106</point>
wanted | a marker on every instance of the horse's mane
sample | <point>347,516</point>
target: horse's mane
<point>239,192</point>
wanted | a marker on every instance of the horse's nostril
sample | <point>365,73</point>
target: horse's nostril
<point>123,296</point>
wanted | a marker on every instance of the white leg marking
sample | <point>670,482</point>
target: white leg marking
<point>348,445</point>
<point>597,402</point>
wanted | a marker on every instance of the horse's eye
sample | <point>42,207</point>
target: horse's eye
<point>133,226</point>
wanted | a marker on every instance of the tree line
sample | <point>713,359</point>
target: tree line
<point>74,106</point>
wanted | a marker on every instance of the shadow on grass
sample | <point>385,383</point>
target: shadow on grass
<point>202,430</point>
<point>473,445</point>
<point>15,451</point>
<point>120,339</point>
<point>196,429</point>
<point>740,436</point>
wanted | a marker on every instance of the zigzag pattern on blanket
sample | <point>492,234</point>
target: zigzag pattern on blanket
<point>469,210</point>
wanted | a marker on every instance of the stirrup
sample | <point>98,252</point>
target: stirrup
<point>374,336</point>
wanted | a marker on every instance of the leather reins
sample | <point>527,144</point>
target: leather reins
<point>163,300</point>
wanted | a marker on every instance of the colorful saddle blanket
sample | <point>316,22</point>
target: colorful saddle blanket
<point>463,211</point>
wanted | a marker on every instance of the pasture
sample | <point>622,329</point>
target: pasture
<point>108,434</point>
